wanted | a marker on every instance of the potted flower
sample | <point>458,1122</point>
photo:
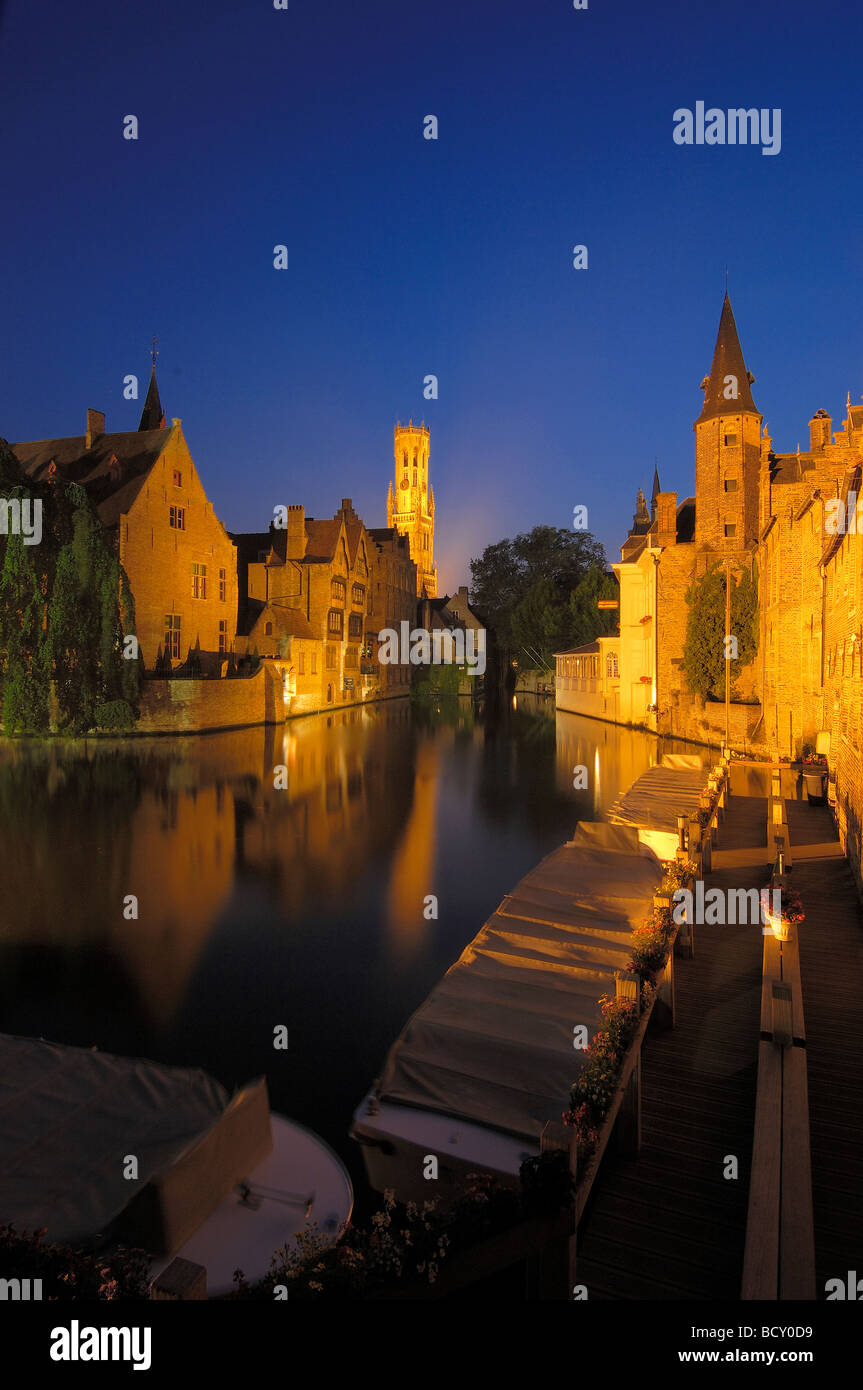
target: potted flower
<point>791,909</point>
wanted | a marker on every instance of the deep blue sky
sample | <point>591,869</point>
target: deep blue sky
<point>407,256</point>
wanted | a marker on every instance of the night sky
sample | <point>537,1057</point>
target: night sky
<point>407,256</point>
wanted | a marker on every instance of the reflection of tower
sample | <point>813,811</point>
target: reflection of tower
<point>413,864</point>
<point>410,507</point>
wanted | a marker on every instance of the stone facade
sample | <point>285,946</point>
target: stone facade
<point>181,564</point>
<point>410,505</point>
<point>795,519</point>
<point>316,595</point>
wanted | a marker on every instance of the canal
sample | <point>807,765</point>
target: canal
<point>302,904</point>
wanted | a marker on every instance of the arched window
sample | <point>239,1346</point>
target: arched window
<point>269,629</point>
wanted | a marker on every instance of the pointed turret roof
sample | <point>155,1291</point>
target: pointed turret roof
<point>719,392</point>
<point>641,519</point>
<point>656,490</point>
<point>152,416</point>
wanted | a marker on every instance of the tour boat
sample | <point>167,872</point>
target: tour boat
<point>490,1056</point>
<point>103,1150</point>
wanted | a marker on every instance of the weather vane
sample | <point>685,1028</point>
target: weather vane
<point>154,351</point>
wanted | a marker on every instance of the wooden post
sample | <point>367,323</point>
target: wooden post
<point>663,1010</point>
<point>627,1127</point>
<point>628,986</point>
<point>180,1281</point>
<point>550,1273</point>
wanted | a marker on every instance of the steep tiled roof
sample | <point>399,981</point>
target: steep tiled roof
<point>113,470</point>
<point>727,361</point>
<point>152,416</point>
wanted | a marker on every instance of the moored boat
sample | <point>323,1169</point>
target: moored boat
<point>101,1150</point>
<point>489,1058</point>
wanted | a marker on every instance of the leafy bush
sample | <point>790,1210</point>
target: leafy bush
<point>69,1274</point>
<point>116,715</point>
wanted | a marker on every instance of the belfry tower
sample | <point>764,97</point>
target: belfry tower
<point>727,448</point>
<point>410,505</point>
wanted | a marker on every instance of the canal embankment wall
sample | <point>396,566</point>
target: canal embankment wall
<point>196,705</point>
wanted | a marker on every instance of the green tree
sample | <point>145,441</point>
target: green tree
<point>541,622</point>
<point>704,645</point>
<point>587,620</point>
<point>65,607</point>
<point>532,574</point>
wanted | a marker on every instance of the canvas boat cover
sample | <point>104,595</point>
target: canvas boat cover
<point>68,1118</point>
<point>493,1043</point>
<point>655,800</point>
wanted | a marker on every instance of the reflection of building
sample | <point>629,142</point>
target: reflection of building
<point>410,507</point>
<point>180,562</point>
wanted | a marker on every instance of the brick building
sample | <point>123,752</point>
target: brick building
<point>315,595</point>
<point>179,559</point>
<point>794,518</point>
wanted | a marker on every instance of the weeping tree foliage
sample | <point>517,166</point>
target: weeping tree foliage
<point>704,646</point>
<point>65,608</point>
<point>548,621</point>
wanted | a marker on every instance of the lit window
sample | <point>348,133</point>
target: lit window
<point>339,589</point>
<point>358,594</point>
<point>173,623</point>
<point>178,518</point>
<point>334,621</point>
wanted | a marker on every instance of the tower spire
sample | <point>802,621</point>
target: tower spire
<point>152,416</point>
<point>727,387</point>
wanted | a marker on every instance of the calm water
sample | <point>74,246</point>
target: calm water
<point>258,906</point>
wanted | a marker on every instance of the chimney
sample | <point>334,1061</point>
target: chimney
<point>95,426</point>
<point>819,430</point>
<point>665,531</point>
<point>295,548</point>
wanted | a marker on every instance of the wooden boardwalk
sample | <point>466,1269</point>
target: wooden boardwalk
<point>668,1225</point>
<point>831,967</point>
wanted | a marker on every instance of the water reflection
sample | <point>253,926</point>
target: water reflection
<point>261,904</point>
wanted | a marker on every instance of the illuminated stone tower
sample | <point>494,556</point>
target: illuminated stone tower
<point>727,448</point>
<point>410,505</point>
